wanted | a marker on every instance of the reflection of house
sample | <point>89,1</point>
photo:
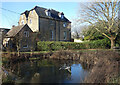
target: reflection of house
<point>3,31</point>
<point>51,24</point>
<point>19,38</point>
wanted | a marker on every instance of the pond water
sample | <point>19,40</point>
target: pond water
<point>45,71</point>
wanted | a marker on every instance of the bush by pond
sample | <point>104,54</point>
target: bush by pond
<point>56,45</point>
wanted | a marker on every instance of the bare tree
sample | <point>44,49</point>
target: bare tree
<point>77,28</point>
<point>104,13</point>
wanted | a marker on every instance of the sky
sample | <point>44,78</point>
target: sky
<point>11,18</point>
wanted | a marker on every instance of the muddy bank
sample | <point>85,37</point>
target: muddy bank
<point>104,64</point>
<point>15,57</point>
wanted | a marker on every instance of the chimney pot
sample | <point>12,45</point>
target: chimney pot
<point>13,26</point>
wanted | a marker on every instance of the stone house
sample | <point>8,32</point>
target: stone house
<point>50,24</point>
<point>20,38</point>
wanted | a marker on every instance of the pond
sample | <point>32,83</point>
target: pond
<point>45,71</point>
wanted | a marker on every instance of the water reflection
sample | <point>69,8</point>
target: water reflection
<point>45,71</point>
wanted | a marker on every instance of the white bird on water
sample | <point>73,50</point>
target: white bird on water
<point>65,68</point>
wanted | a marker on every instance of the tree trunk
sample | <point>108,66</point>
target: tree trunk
<point>112,43</point>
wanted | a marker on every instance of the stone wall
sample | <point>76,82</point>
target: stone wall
<point>33,21</point>
<point>48,25</point>
<point>45,26</point>
<point>30,40</point>
<point>24,40</point>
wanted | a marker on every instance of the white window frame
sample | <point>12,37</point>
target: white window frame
<point>65,35</point>
<point>48,13</point>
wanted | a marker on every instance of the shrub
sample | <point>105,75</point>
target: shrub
<point>56,45</point>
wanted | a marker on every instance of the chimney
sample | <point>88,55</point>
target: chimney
<point>13,26</point>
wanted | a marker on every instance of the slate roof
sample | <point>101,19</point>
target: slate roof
<point>41,12</point>
<point>4,29</point>
<point>14,31</point>
<point>26,13</point>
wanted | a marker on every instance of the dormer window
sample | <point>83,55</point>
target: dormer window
<point>48,12</point>
<point>61,15</point>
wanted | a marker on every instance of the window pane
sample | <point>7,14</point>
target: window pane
<point>65,35</point>
<point>25,46</point>
<point>51,32</point>
<point>30,21</point>
<point>26,33</point>
<point>22,22</point>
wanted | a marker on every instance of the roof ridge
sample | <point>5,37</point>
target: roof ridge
<point>54,13</point>
<point>12,32</point>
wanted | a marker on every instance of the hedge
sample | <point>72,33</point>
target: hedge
<point>56,45</point>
